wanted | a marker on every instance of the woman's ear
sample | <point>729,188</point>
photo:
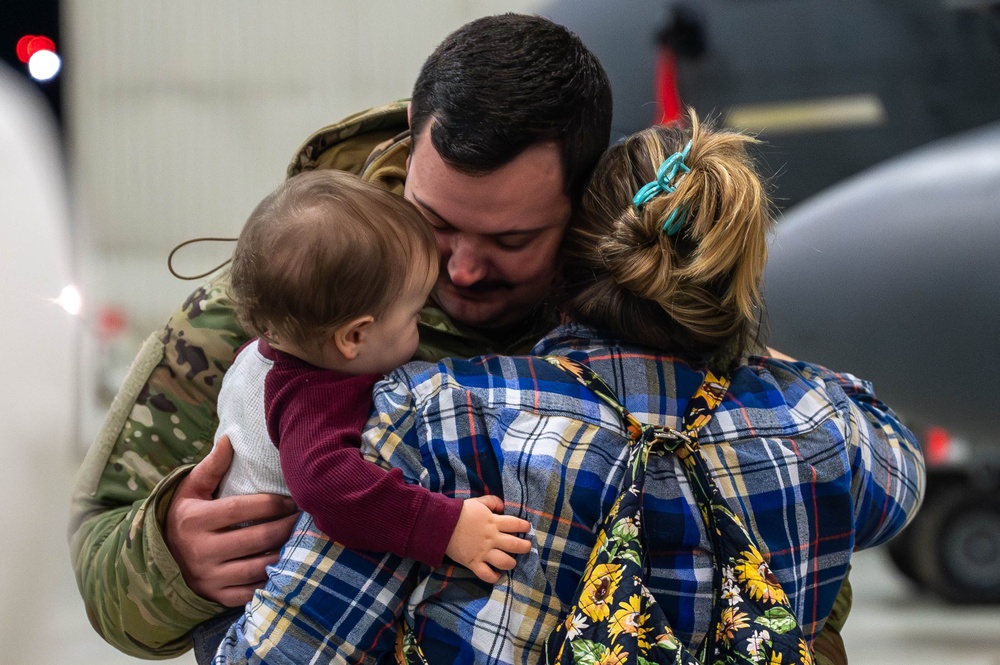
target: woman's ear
<point>350,336</point>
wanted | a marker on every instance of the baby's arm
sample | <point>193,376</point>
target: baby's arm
<point>316,418</point>
<point>483,538</point>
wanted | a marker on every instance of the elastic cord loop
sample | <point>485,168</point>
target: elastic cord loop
<point>170,258</point>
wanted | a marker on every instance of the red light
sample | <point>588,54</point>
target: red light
<point>938,441</point>
<point>22,48</point>
<point>29,45</point>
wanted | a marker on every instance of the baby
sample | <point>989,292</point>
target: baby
<point>330,273</point>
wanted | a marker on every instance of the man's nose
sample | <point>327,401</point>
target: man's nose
<point>468,263</point>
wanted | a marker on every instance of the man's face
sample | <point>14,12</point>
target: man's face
<point>498,234</point>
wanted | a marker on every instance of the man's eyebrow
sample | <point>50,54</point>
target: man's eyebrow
<point>444,221</point>
<point>431,210</point>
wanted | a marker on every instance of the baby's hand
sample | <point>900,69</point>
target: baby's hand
<point>482,538</point>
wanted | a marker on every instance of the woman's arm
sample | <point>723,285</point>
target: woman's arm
<point>887,464</point>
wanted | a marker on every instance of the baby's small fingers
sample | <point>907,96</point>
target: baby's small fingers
<point>491,501</point>
<point>511,524</point>
<point>500,560</point>
<point>513,544</point>
<point>485,573</point>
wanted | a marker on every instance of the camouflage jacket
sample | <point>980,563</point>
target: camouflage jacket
<point>163,421</point>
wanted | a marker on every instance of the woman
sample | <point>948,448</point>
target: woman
<point>664,278</point>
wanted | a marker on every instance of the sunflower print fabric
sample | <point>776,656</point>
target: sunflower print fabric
<point>616,620</point>
<point>407,651</point>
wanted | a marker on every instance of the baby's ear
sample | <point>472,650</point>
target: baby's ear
<point>350,336</point>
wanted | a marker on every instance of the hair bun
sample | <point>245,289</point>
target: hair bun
<point>637,253</point>
<point>700,284</point>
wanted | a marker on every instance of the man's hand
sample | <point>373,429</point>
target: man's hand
<point>482,539</point>
<point>218,562</point>
<point>778,355</point>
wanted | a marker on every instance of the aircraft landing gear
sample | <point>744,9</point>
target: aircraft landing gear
<point>952,548</point>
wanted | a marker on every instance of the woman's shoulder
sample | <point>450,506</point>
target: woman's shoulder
<point>486,378</point>
<point>775,397</point>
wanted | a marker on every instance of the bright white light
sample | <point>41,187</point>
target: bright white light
<point>43,65</point>
<point>70,300</point>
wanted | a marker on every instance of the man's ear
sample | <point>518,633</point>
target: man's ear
<point>350,336</point>
<point>409,123</point>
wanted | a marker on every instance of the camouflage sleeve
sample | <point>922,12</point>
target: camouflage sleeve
<point>162,422</point>
<point>828,648</point>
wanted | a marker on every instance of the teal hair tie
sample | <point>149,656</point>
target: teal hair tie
<point>664,183</point>
<point>675,222</point>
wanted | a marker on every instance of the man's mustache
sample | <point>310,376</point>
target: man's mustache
<point>482,286</point>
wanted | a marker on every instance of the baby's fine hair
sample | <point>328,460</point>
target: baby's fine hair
<point>695,292</point>
<point>323,248</point>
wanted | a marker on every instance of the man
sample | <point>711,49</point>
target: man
<point>508,117</point>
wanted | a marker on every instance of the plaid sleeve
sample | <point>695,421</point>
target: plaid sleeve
<point>887,465</point>
<point>324,602</point>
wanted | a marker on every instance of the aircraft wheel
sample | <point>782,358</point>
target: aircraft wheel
<point>955,545</point>
<point>903,555</point>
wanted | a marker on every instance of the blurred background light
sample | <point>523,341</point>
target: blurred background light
<point>44,65</point>
<point>26,29</point>
<point>29,45</point>
<point>70,300</point>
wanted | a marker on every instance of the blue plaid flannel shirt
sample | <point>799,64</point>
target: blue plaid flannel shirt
<point>812,461</point>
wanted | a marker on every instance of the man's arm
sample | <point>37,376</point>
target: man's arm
<point>161,423</point>
<point>218,561</point>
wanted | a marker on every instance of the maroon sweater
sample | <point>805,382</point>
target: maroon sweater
<point>315,417</point>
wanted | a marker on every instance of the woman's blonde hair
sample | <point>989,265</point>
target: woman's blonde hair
<point>697,292</point>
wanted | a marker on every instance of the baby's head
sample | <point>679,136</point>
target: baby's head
<point>335,270</point>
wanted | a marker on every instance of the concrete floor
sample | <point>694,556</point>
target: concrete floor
<point>892,624</point>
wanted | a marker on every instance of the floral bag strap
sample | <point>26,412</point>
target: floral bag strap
<point>616,619</point>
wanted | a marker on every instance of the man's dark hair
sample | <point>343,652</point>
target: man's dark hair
<point>502,83</point>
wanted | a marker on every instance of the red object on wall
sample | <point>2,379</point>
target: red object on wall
<point>668,98</point>
<point>111,322</point>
